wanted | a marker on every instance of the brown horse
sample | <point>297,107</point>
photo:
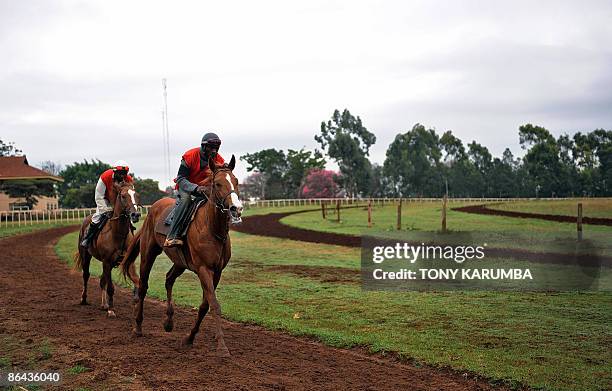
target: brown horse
<point>110,244</point>
<point>206,251</point>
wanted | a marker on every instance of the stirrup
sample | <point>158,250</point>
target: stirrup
<point>173,242</point>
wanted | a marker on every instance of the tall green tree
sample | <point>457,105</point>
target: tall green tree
<point>542,161</point>
<point>604,155</point>
<point>457,168</point>
<point>502,177</point>
<point>299,164</point>
<point>413,163</point>
<point>482,162</point>
<point>9,149</point>
<point>347,141</point>
<point>283,172</point>
<point>80,179</point>
<point>148,190</point>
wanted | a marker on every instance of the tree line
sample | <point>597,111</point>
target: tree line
<point>424,163</point>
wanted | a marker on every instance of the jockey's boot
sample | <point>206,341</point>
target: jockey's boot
<point>172,240</point>
<point>90,233</point>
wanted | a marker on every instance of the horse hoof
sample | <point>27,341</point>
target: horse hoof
<point>84,302</point>
<point>103,308</point>
<point>168,326</point>
<point>111,314</point>
<point>137,333</point>
<point>187,342</point>
<point>223,353</point>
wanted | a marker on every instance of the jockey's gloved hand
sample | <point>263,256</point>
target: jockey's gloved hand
<point>200,190</point>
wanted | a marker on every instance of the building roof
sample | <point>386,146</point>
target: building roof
<point>17,167</point>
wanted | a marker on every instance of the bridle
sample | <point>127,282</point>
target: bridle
<point>124,211</point>
<point>220,201</point>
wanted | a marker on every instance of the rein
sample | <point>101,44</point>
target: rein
<point>219,203</point>
<point>124,214</point>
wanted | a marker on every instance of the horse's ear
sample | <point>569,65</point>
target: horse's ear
<point>211,164</point>
<point>232,163</point>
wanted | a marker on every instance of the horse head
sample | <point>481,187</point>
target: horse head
<point>224,189</point>
<point>129,200</point>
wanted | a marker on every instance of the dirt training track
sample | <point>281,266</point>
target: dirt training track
<point>484,210</point>
<point>39,299</point>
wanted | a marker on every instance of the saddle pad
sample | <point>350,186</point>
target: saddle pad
<point>162,226</point>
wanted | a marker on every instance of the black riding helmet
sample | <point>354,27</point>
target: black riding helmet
<point>210,139</point>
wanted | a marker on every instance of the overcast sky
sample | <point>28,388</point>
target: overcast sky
<point>83,79</point>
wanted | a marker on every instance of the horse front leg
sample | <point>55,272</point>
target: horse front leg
<point>171,277</point>
<point>209,281</point>
<point>103,294</point>
<point>110,289</point>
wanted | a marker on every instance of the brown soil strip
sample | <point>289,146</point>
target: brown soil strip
<point>39,301</point>
<point>321,273</point>
<point>483,210</point>
<point>270,225</point>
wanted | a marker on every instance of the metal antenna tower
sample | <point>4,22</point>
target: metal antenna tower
<point>166,134</point>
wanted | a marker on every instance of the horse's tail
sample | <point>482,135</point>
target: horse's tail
<point>78,260</point>
<point>131,254</point>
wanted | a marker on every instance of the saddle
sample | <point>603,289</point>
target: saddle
<point>103,219</point>
<point>163,225</point>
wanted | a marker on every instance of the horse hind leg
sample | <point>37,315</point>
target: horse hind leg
<point>135,281</point>
<point>147,258</point>
<point>171,277</point>
<point>85,261</point>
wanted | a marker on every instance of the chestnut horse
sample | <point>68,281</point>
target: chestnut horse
<point>206,250</point>
<point>110,244</point>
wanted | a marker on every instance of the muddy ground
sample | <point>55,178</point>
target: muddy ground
<point>483,210</point>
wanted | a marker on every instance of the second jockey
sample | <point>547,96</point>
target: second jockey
<point>192,171</point>
<point>117,174</point>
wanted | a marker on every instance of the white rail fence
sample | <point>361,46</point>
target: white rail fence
<point>381,201</point>
<point>62,216</point>
<point>13,218</point>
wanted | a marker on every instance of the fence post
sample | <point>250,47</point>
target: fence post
<point>579,221</point>
<point>323,209</point>
<point>444,201</point>
<point>399,215</point>
<point>370,214</point>
<point>338,210</point>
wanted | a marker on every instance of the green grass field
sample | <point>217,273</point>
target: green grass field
<point>544,340</point>
<point>421,221</point>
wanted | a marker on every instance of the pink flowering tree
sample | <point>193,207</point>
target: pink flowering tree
<point>320,184</point>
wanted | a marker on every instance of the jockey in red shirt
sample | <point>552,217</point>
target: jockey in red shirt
<point>118,173</point>
<point>192,171</point>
